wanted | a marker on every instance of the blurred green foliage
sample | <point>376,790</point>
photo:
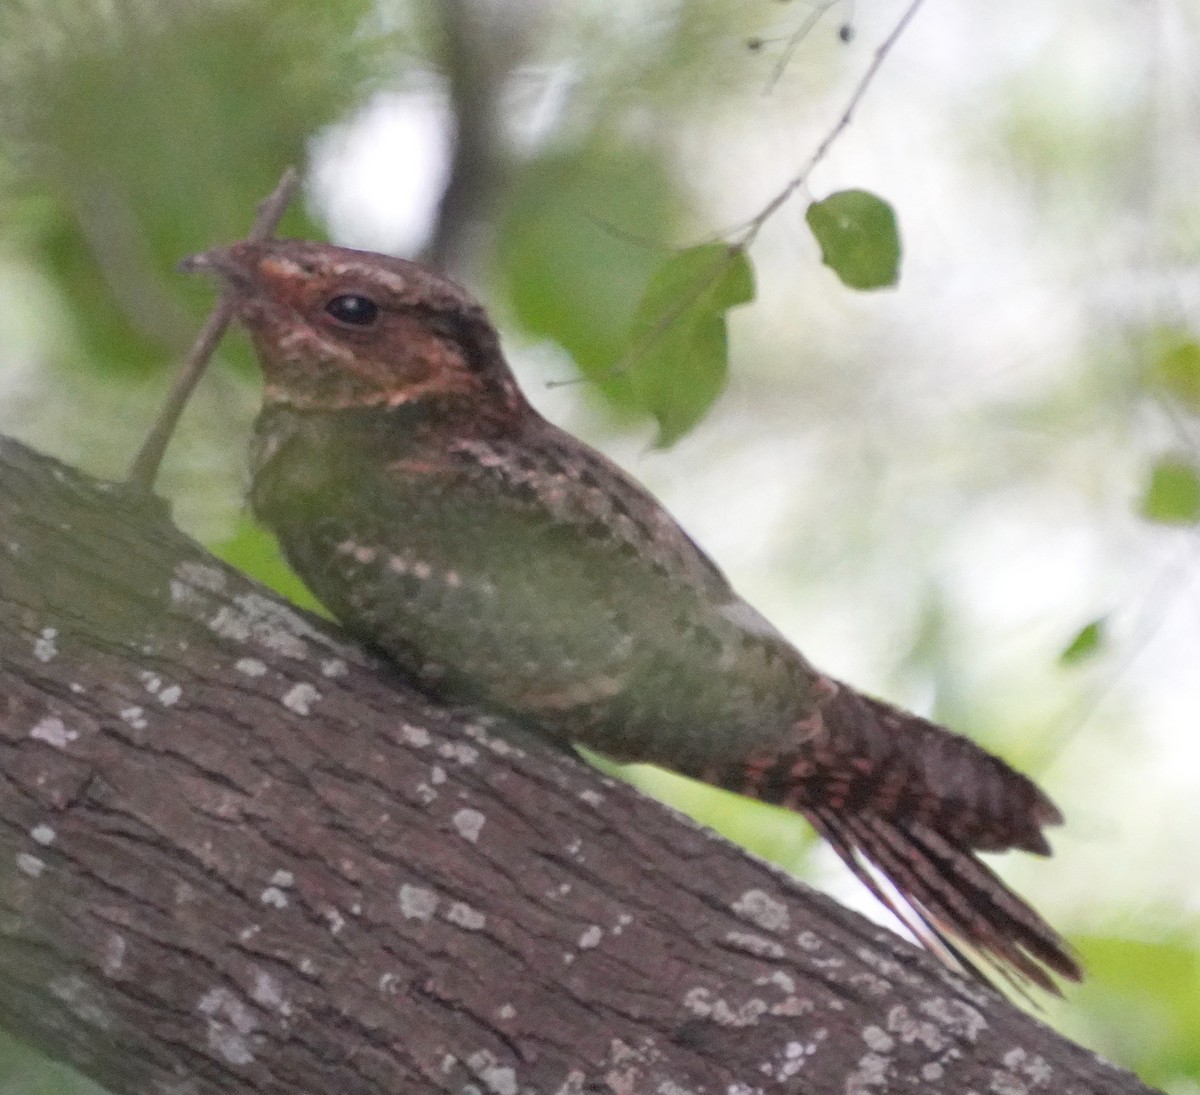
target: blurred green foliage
<point>133,132</point>
<point>1172,496</point>
<point>1086,644</point>
<point>581,234</point>
<point>1174,358</point>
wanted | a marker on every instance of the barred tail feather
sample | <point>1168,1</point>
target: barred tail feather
<point>900,797</point>
<point>951,897</point>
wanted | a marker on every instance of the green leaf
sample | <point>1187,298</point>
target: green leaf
<point>1173,496</point>
<point>1086,644</point>
<point>1175,368</point>
<point>677,358</point>
<point>859,238</point>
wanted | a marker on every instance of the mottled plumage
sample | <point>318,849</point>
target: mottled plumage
<point>501,561</point>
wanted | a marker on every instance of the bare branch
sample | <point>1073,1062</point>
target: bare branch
<point>145,466</point>
<point>750,230</point>
<point>239,857</point>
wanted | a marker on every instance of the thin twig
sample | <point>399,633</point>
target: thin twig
<point>794,40</point>
<point>750,229</point>
<point>144,469</point>
<point>754,225</point>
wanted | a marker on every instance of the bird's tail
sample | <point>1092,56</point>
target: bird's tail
<point>898,796</point>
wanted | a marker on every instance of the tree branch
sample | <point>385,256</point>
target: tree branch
<point>237,855</point>
<point>146,464</point>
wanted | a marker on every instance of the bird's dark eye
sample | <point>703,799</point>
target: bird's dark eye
<point>354,309</point>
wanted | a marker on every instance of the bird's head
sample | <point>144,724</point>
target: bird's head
<point>339,329</point>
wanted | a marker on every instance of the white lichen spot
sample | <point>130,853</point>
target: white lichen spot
<point>506,1012</point>
<point>793,1007</point>
<point>459,751</point>
<point>266,991</point>
<point>283,878</point>
<point>702,1003</point>
<point>497,1079</point>
<point>114,953</point>
<point>152,681</point>
<point>783,981</point>
<point>336,921</point>
<point>871,1071</point>
<point>84,999</point>
<point>590,938</point>
<point>300,698</point>
<point>30,864</point>
<point>417,902</point>
<point>275,897</point>
<point>790,1061</point>
<point>1035,1068</point>
<point>43,834</point>
<point>958,1018</point>
<point>437,774</point>
<point>334,668</point>
<point>53,731</point>
<point>169,696</point>
<point>77,688</point>
<point>389,983</point>
<point>249,932</point>
<point>45,648</point>
<point>910,1029</point>
<point>258,619</point>
<point>575,849</point>
<point>871,983</point>
<point>888,967</point>
<point>809,941</point>
<point>251,667</point>
<point>1005,1083</point>
<point>469,824</point>
<point>426,794</point>
<point>135,716</point>
<point>754,944</point>
<point>591,797</point>
<point>762,909</point>
<point>573,1084</point>
<point>878,1039</point>
<point>416,736</point>
<point>230,1025</point>
<point>623,921</point>
<point>202,576</point>
<point>931,1072</point>
<point>307,965</point>
<point>462,915</point>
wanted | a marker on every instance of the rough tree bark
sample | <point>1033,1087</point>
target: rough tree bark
<point>238,855</point>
